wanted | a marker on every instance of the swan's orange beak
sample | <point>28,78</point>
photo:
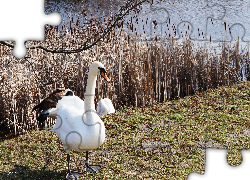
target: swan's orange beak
<point>105,77</point>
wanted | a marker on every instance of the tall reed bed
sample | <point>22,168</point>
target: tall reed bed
<point>142,73</point>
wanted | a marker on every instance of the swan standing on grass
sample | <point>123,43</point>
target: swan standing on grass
<point>78,125</point>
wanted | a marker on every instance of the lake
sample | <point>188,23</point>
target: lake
<point>199,20</point>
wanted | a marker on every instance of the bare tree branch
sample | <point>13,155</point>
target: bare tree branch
<point>119,17</point>
<point>7,44</point>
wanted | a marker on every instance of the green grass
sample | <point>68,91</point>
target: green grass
<point>166,141</point>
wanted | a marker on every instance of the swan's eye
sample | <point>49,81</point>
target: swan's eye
<point>102,70</point>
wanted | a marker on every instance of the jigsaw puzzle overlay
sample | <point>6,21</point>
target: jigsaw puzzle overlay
<point>211,21</point>
<point>217,168</point>
<point>205,20</point>
<point>24,20</point>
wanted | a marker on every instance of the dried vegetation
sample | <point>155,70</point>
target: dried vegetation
<point>142,72</point>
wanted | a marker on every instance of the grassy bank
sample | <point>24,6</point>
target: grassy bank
<point>163,141</point>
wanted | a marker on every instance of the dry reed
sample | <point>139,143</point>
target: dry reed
<point>142,72</point>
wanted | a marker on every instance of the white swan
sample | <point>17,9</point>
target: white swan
<point>78,125</point>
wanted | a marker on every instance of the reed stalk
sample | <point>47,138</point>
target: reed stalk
<point>142,72</point>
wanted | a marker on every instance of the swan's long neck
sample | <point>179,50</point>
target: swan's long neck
<point>89,103</point>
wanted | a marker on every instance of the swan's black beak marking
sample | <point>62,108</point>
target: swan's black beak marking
<point>103,74</point>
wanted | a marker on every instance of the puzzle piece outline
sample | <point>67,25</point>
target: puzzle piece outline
<point>150,35</point>
<point>222,41</point>
<point>73,131</point>
<point>218,162</point>
<point>15,31</point>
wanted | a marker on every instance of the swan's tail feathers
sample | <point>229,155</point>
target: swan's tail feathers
<point>110,105</point>
<point>105,107</point>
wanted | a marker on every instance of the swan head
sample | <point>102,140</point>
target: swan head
<point>97,68</point>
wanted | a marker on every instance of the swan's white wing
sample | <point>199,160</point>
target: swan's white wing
<point>68,108</point>
<point>105,106</point>
<point>74,101</point>
<point>68,121</point>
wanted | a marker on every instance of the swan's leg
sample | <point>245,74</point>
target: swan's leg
<point>72,174</point>
<point>91,168</point>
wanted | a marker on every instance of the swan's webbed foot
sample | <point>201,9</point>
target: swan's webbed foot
<point>73,175</point>
<point>92,168</point>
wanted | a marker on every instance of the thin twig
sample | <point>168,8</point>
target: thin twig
<point>84,47</point>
